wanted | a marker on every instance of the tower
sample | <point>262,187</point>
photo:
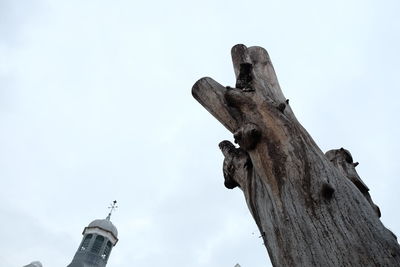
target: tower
<point>99,237</point>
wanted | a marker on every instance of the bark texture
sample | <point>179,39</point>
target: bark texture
<point>311,208</point>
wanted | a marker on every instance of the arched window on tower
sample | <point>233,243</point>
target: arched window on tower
<point>86,241</point>
<point>98,242</point>
<point>107,251</point>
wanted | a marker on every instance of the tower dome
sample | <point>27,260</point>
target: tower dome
<point>106,225</point>
<point>99,237</point>
<point>34,264</point>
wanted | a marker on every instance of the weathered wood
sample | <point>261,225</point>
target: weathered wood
<point>210,94</point>
<point>312,209</point>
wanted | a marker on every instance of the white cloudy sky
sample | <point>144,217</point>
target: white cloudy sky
<point>95,105</point>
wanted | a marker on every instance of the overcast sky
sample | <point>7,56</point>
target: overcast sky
<point>96,105</point>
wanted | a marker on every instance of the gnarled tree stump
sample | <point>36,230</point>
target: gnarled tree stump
<point>311,208</point>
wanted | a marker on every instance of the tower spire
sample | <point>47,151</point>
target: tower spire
<point>113,206</point>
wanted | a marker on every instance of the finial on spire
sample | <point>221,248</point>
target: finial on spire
<point>113,206</point>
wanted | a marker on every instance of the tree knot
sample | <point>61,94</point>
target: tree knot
<point>247,136</point>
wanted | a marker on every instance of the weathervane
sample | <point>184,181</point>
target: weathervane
<point>113,206</point>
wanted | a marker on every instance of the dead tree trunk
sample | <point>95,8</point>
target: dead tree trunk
<point>312,209</point>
